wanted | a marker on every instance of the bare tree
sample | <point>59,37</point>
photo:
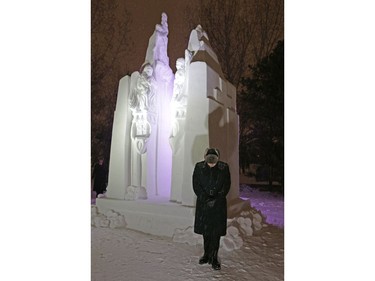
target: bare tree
<point>109,37</point>
<point>240,31</point>
<point>109,42</point>
<point>268,23</point>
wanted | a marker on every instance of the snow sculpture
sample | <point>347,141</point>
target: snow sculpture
<point>143,90</point>
<point>209,120</point>
<point>140,164</point>
<point>162,125</point>
<point>159,153</point>
<point>158,43</point>
<point>140,131</point>
<point>178,106</point>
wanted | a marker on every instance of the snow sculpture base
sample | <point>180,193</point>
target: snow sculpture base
<point>155,216</point>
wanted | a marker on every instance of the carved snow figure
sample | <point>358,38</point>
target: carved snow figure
<point>158,43</point>
<point>159,153</point>
<point>178,86</point>
<point>143,93</point>
<point>176,140</point>
<point>179,99</point>
<point>142,96</point>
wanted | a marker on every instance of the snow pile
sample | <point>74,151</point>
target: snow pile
<point>238,229</point>
<point>233,240</point>
<point>257,221</point>
<point>245,226</point>
<point>110,219</point>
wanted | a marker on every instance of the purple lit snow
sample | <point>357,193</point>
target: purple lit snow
<point>270,204</point>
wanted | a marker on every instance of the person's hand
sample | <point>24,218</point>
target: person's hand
<point>210,201</point>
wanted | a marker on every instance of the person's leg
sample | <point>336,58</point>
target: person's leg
<point>206,256</point>
<point>97,193</point>
<point>215,249</point>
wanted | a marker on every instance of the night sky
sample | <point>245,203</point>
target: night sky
<point>145,15</point>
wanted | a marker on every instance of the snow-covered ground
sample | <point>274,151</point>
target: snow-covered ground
<point>270,204</point>
<point>124,254</point>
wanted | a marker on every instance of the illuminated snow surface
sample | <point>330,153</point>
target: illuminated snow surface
<point>270,204</point>
<point>123,254</point>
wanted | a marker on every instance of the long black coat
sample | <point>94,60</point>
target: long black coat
<point>211,185</point>
<point>99,176</point>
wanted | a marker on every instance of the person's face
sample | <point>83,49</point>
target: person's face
<point>212,159</point>
<point>101,162</point>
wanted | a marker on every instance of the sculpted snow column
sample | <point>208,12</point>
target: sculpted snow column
<point>119,166</point>
<point>159,154</point>
<point>142,96</point>
<point>177,137</point>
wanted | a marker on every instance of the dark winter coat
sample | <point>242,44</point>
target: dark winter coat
<point>211,185</point>
<point>99,176</point>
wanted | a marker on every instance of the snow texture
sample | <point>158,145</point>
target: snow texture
<point>110,219</point>
<point>269,204</point>
<point>237,230</point>
<point>253,249</point>
<point>123,254</point>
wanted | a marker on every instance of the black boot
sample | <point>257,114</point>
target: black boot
<point>215,263</point>
<point>206,257</point>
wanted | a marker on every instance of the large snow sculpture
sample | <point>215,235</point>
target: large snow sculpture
<point>162,125</point>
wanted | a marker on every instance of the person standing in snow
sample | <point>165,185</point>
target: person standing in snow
<point>211,184</point>
<point>99,176</point>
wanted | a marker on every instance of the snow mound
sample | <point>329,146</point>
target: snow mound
<point>238,228</point>
<point>233,240</point>
<point>257,221</point>
<point>245,226</point>
<point>110,219</point>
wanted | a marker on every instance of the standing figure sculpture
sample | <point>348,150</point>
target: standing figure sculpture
<point>162,31</point>
<point>177,134</point>
<point>143,94</point>
<point>178,85</point>
<point>142,99</point>
<point>179,100</point>
<point>211,184</point>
